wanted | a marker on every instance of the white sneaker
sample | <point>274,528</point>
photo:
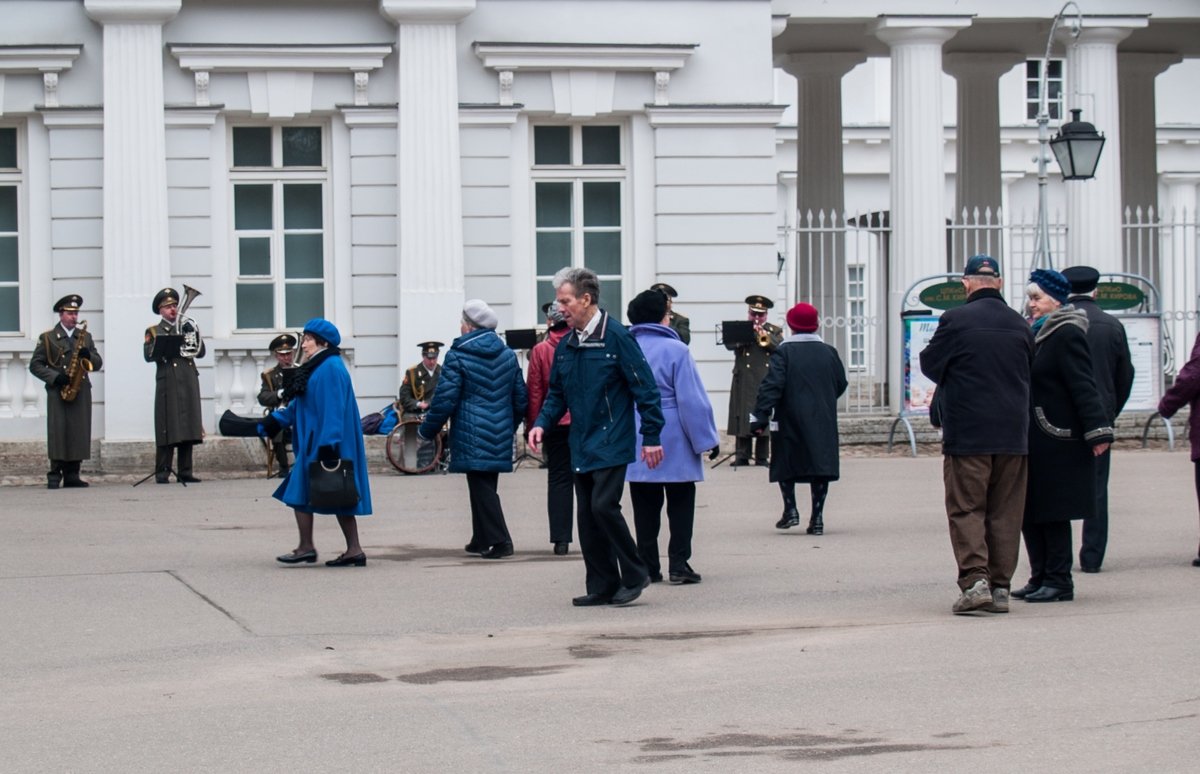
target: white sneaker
<point>977,596</point>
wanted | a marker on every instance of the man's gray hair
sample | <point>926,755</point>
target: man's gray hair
<point>581,280</point>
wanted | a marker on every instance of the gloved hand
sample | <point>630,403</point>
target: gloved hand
<point>759,428</point>
<point>61,380</point>
<point>714,452</point>
<point>85,353</point>
<point>271,425</point>
<point>262,431</point>
<point>328,454</point>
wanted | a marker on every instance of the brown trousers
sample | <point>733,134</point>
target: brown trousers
<point>985,504</point>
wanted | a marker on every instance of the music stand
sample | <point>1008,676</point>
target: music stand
<point>734,334</point>
<point>166,347</point>
<point>522,340</point>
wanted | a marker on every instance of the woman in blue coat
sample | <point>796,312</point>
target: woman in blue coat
<point>481,389</point>
<point>688,431</point>
<point>323,414</point>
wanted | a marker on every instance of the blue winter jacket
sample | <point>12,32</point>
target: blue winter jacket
<point>600,380</point>
<point>481,389</point>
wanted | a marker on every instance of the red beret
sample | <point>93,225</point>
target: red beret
<point>803,318</point>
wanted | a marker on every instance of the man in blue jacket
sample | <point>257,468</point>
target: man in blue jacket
<point>599,374</point>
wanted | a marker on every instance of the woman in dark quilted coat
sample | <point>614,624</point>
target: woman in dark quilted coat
<point>1186,389</point>
<point>481,389</point>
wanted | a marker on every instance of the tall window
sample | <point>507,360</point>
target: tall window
<point>10,269</point>
<point>279,177</point>
<point>1054,88</point>
<point>856,312</point>
<point>579,183</point>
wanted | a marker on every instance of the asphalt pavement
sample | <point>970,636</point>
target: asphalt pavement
<point>150,629</point>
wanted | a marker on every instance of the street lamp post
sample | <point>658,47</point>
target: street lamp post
<point>1077,146</point>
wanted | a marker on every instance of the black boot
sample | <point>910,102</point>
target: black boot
<point>790,517</point>
<point>816,526</point>
<point>71,479</point>
<point>54,477</point>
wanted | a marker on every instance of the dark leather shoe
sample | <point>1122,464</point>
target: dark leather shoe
<point>189,479</point>
<point>656,577</point>
<point>685,575</point>
<point>347,561</point>
<point>1024,591</point>
<point>471,548</point>
<point>1050,594</point>
<point>165,480</point>
<point>560,549</point>
<point>790,518</point>
<point>739,464</point>
<point>1196,562</point>
<point>498,551</point>
<point>627,594</point>
<point>297,558</point>
<point>591,600</point>
<point>74,483</point>
<point>1089,568</point>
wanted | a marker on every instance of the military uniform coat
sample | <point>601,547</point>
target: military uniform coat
<point>177,413</point>
<point>68,424</point>
<point>750,364</point>
<point>269,395</point>
<point>418,385</point>
<point>682,326</point>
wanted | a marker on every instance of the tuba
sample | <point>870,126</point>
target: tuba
<point>187,327</point>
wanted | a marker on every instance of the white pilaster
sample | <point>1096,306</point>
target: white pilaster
<point>918,170</point>
<point>1094,206</point>
<point>1180,280</point>
<point>977,142</point>
<point>136,260</point>
<point>430,260</point>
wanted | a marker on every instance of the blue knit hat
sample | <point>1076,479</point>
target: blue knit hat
<point>1052,283</point>
<point>319,326</point>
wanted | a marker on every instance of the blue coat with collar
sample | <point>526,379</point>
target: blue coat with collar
<point>599,381</point>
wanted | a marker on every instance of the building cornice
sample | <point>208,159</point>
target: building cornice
<point>663,57</point>
<point>228,57</point>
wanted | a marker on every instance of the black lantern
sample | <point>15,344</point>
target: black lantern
<point>1077,147</point>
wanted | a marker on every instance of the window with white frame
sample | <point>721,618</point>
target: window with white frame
<point>10,265</point>
<point>856,312</point>
<point>280,177</point>
<point>1054,88</point>
<point>579,179</point>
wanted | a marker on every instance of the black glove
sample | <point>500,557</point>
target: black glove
<point>61,380</point>
<point>759,428</point>
<point>714,452</point>
<point>271,425</point>
<point>328,454</point>
<point>85,353</point>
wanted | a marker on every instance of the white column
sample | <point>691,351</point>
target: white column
<point>1139,132</point>
<point>430,261</point>
<point>1094,206</point>
<point>977,140</point>
<point>1180,283</point>
<point>136,259</point>
<point>918,170</point>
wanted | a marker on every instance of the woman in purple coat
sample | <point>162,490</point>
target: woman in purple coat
<point>1186,389</point>
<point>689,431</point>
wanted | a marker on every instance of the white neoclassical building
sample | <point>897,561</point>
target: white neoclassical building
<point>376,162</point>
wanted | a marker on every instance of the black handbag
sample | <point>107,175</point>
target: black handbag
<point>332,488</point>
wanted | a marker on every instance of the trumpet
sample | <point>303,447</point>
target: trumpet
<point>187,327</point>
<point>764,338</point>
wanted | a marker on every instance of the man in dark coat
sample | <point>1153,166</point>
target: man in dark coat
<point>270,395</point>
<point>980,358</point>
<point>416,389</point>
<point>68,419</point>
<point>750,364</point>
<point>599,373</point>
<point>798,402</point>
<point>178,423</point>
<point>1112,366</point>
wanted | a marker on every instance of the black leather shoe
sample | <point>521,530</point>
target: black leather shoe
<point>591,600</point>
<point>1088,568</point>
<point>164,480</point>
<point>627,594</point>
<point>498,551</point>
<point>1196,562</point>
<point>189,479</point>
<point>74,483</point>
<point>656,577</point>
<point>347,561</point>
<point>471,548</point>
<point>685,574</point>
<point>560,549</point>
<point>1050,594</point>
<point>297,558</point>
<point>739,463</point>
<point>790,518</point>
<point>1024,591</point>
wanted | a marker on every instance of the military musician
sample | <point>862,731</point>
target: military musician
<point>270,396</point>
<point>750,363</point>
<point>678,322</point>
<point>62,358</point>
<point>178,423</point>
<point>416,390</point>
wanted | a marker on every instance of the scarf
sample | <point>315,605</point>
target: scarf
<point>1066,314</point>
<point>298,383</point>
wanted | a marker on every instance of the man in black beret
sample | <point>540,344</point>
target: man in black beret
<point>270,396</point>
<point>678,322</point>
<point>62,358</point>
<point>750,363</point>
<point>178,421</point>
<point>1112,365</point>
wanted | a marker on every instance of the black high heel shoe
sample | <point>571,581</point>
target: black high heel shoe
<point>295,558</point>
<point>348,561</point>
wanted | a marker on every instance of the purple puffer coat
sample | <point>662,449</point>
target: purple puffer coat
<point>689,428</point>
<point>1186,389</point>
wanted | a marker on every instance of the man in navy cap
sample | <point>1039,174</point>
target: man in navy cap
<point>270,396</point>
<point>64,350</point>
<point>416,389</point>
<point>178,421</point>
<point>1112,367</point>
<point>750,363</point>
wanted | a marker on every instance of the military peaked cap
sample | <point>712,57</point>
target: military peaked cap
<point>69,303</point>
<point>164,297</point>
<point>759,303</point>
<point>283,344</point>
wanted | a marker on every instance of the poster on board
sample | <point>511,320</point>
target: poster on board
<point>918,388</point>
<point>1145,347</point>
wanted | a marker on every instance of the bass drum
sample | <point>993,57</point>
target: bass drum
<point>408,453</point>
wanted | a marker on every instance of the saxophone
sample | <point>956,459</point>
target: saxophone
<point>75,367</point>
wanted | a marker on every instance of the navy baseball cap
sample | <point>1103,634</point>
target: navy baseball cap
<point>982,266</point>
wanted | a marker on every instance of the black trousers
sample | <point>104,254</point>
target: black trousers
<point>560,483</point>
<point>1095,529</point>
<point>1049,548</point>
<point>647,519</point>
<point>163,455</point>
<point>761,444</point>
<point>610,554</point>
<point>488,527</point>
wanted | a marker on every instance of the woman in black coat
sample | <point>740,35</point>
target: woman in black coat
<point>1068,429</point>
<point>802,387</point>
